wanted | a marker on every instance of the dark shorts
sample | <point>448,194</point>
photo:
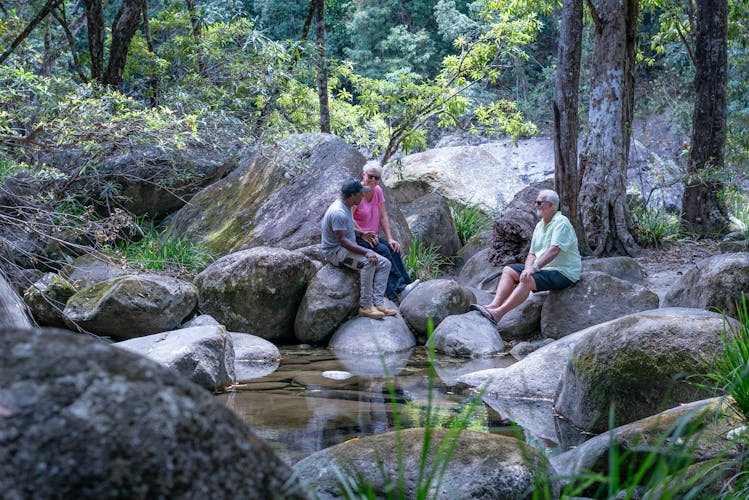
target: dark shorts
<point>546,280</point>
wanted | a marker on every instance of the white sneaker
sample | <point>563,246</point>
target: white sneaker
<point>408,289</point>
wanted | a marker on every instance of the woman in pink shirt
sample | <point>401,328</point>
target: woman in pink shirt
<point>369,216</point>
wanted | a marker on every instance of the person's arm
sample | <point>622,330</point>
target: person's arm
<point>385,223</point>
<point>353,247</point>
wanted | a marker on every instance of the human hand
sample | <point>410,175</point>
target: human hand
<point>394,245</point>
<point>371,257</point>
<point>370,237</point>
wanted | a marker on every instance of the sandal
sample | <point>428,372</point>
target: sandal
<point>484,312</point>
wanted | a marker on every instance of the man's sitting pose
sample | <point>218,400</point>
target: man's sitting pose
<point>339,248</point>
<point>553,262</point>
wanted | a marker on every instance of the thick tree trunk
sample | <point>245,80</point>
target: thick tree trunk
<point>95,28</point>
<point>322,68</point>
<point>704,211</point>
<point>603,165</point>
<point>123,29</point>
<point>566,119</point>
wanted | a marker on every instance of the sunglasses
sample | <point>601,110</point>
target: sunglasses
<point>541,202</point>
<point>374,177</point>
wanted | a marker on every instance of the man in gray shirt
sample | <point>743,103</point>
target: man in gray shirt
<point>339,248</point>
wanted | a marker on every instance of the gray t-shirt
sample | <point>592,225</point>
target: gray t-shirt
<point>338,217</point>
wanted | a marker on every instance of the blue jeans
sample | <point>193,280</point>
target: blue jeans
<point>398,277</point>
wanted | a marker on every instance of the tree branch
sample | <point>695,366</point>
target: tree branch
<point>48,6</point>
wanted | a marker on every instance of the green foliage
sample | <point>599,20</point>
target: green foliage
<point>729,370</point>
<point>161,252</point>
<point>470,220</point>
<point>653,226</point>
<point>424,262</point>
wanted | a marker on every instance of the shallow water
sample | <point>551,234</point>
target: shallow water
<point>316,399</point>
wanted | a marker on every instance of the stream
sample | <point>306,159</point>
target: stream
<point>315,399</point>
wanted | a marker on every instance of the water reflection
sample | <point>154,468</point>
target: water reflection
<point>298,410</point>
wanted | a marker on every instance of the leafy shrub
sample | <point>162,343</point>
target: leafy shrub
<point>653,226</point>
<point>424,262</point>
<point>470,220</point>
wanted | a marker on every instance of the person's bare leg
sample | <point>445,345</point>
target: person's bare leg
<point>505,287</point>
<point>516,298</point>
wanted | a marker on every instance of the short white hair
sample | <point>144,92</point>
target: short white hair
<point>372,166</point>
<point>550,195</point>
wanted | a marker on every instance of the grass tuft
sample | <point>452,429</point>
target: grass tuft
<point>469,220</point>
<point>424,262</point>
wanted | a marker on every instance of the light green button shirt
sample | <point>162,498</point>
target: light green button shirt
<point>560,233</point>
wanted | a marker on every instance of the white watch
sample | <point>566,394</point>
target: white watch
<point>535,266</point>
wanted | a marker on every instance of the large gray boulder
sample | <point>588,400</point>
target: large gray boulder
<point>331,297</point>
<point>276,197</point>
<point>203,354</point>
<point>637,363</point>
<point>596,298</point>
<point>524,392</point>
<point>666,435</point>
<point>89,269</point>
<point>256,291</point>
<point>431,222</point>
<point>467,175</point>
<point>367,336</point>
<point>132,305</point>
<point>435,299</point>
<point>525,320</point>
<point>467,335</point>
<point>624,268</point>
<point>482,466</point>
<point>480,272</point>
<point>13,311</point>
<point>714,283</point>
<point>46,299</point>
<point>83,419</point>
<point>254,357</point>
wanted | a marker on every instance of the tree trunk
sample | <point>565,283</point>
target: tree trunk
<point>566,119</point>
<point>603,165</point>
<point>704,212</point>
<point>322,68</point>
<point>95,27</point>
<point>123,29</point>
<point>149,44</point>
<point>197,33</point>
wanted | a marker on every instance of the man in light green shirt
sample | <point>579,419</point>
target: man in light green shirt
<point>553,261</point>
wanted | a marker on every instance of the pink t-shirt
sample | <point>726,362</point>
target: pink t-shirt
<point>367,214</point>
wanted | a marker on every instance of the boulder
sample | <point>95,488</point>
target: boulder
<point>132,305</point>
<point>482,466</point>
<point>256,291</point>
<point>624,268</point>
<point>467,335</point>
<point>89,269</point>
<point>431,223</point>
<point>525,320</point>
<point>83,419</point>
<point>331,297</point>
<point>699,430</point>
<point>276,197</point>
<point>467,175</point>
<point>13,311</point>
<point>435,299</point>
<point>715,283</point>
<point>203,354</point>
<point>524,391</point>
<point>47,298</point>
<point>595,299</point>
<point>480,272</point>
<point>254,357</point>
<point>636,363</point>
<point>513,227</point>
<point>373,365</point>
<point>201,320</point>
<point>367,336</point>
<point>477,243</point>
